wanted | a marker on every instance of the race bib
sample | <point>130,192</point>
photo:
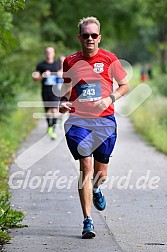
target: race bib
<point>50,80</point>
<point>89,92</point>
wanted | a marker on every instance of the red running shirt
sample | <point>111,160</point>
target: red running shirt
<point>92,79</point>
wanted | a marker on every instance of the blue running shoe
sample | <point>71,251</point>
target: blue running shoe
<point>99,201</point>
<point>88,229</point>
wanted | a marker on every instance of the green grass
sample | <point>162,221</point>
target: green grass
<point>13,130</point>
<point>150,119</point>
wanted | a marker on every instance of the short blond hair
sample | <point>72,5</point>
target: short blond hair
<point>88,20</point>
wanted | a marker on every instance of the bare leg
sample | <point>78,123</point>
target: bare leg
<point>85,185</point>
<point>55,112</point>
<point>48,116</point>
<point>100,173</point>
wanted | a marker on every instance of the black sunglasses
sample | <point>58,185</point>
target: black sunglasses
<point>87,35</point>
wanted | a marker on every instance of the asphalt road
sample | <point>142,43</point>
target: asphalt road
<point>43,183</point>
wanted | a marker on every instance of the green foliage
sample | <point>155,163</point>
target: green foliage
<point>52,32</point>
<point>4,237</point>
<point>12,5</point>
<point>13,131</point>
<point>9,218</point>
<point>150,119</point>
<point>157,10</point>
<point>159,84</point>
<point>8,41</point>
<point>8,81</point>
<point>7,37</point>
<point>7,93</point>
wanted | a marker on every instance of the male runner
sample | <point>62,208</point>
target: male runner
<point>46,73</point>
<point>91,128</point>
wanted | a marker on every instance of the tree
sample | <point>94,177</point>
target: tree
<point>7,45</point>
<point>157,11</point>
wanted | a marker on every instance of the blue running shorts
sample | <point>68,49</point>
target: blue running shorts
<point>91,136</point>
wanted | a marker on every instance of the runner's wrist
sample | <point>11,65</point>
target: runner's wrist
<point>64,98</point>
<point>112,98</point>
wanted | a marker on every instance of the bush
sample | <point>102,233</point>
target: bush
<point>160,85</point>
<point>7,92</point>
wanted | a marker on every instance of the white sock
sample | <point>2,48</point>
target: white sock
<point>96,190</point>
<point>89,219</point>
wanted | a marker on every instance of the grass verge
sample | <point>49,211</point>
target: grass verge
<point>13,130</point>
<point>150,119</point>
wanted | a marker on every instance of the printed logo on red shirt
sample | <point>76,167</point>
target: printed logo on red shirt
<point>98,67</point>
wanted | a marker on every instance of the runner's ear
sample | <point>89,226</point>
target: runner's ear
<point>79,37</point>
<point>99,38</point>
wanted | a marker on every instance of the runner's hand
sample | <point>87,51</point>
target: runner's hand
<point>65,107</point>
<point>46,73</point>
<point>36,76</point>
<point>103,104</point>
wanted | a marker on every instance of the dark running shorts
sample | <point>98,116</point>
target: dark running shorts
<point>91,136</point>
<point>50,100</point>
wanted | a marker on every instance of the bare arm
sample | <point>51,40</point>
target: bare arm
<point>36,76</point>
<point>65,105</point>
<point>123,88</point>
